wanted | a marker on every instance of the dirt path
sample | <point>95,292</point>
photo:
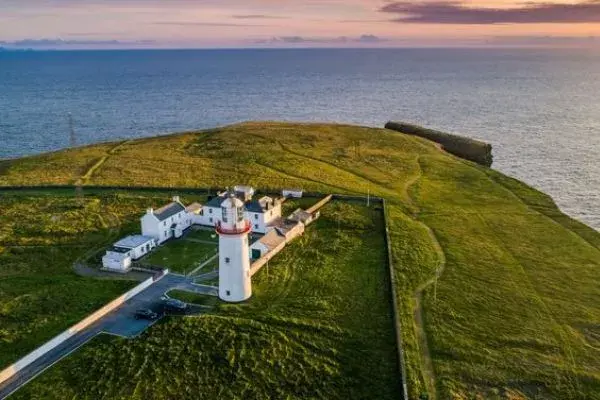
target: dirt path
<point>85,178</point>
<point>418,312</point>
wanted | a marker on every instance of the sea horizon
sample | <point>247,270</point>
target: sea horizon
<point>536,107</point>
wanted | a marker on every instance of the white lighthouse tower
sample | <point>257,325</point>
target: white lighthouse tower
<point>234,256</point>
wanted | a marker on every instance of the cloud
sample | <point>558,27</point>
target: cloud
<point>258,16</point>
<point>324,40</point>
<point>222,24</point>
<point>46,43</point>
<point>453,12</point>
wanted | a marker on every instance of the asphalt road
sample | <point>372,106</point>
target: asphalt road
<point>119,322</point>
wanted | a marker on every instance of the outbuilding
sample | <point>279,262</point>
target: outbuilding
<point>120,257</point>
<point>271,242</point>
<point>292,193</point>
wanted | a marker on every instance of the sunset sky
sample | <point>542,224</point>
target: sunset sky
<point>288,23</point>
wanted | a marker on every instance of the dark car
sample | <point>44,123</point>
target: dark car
<point>146,314</point>
<point>175,305</point>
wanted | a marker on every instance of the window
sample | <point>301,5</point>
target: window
<point>228,293</point>
<point>255,226</point>
<point>224,212</point>
<point>210,210</point>
<point>211,220</point>
<point>164,223</point>
<point>227,260</point>
<point>255,216</point>
<point>165,233</point>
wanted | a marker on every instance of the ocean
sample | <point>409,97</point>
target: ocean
<point>539,108</point>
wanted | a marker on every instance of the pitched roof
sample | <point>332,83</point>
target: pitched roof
<point>194,207</point>
<point>300,215</point>
<point>168,211</point>
<point>215,201</point>
<point>255,207</point>
<point>272,239</point>
<point>261,205</point>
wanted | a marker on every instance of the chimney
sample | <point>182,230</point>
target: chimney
<point>176,199</point>
<point>150,211</point>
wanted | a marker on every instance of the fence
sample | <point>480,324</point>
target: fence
<point>396,316</point>
<point>10,371</point>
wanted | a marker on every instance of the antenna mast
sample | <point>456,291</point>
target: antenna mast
<point>73,144</point>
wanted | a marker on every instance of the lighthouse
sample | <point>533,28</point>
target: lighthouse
<point>234,256</point>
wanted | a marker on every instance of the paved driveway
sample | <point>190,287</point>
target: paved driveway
<point>119,322</point>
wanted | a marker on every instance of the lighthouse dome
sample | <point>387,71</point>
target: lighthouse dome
<point>232,202</point>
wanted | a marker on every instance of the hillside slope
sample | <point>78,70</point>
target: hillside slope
<point>515,309</point>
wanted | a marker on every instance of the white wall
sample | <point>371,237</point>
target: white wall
<point>260,247</point>
<point>260,221</point>
<point>116,262</point>
<point>150,227</point>
<point>161,230</point>
<point>210,216</point>
<point>141,251</point>
<point>234,268</point>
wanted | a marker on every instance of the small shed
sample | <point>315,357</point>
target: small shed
<point>303,216</point>
<point>272,241</point>
<point>292,193</point>
<point>137,245</point>
<point>116,260</point>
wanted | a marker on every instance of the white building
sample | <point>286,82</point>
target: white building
<point>234,255</point>
<point>167,222</point>
<point>272,241</point>
<point>194,211</point>
<point>295,193</point>
<point>261,213</point>
<point>303,216</point>
<point>121,255</point>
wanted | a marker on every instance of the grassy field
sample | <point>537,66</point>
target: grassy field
<point>193,298</point>
<point>302,335</point>
<point>42,234</point>
<point>208,235</point>
<point>181,255</point>
<point>515,309</point>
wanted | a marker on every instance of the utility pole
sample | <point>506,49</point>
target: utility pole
<point>73,144</point>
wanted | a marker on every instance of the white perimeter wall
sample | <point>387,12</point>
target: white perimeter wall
<point>81,325</point>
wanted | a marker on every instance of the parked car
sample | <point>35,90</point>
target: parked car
<point>146,314</point>
<point>174,304</point>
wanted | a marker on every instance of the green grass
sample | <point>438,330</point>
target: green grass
<point>517,306</point>
<point>193,298</point>
<point>302,334</point>
<point>42,234</point>
<point>291,205</point>
<point>203,234</point>
<point>181,255</point>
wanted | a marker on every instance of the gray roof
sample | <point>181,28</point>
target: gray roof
<point>261,205</point>
<point>131,242</point>
<point>168,211</point>
<point>255,207</point>
<point>215,201</point>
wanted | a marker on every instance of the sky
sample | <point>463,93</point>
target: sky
<point>296,23</point>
